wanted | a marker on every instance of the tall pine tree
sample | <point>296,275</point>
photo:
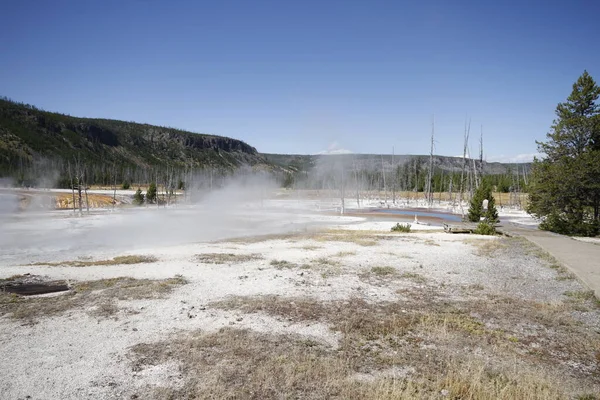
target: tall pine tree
<point>565,186</point>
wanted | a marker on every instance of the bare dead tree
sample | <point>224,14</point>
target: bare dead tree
<point>430,174</point>
<point>394,177</point>
<point>383,175</point>
<point>114,182</point>
<point>464,166</point>
<point>72,186</point>
<point>481,155</point>
<point>85,188</point>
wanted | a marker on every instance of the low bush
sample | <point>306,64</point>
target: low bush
<point>485,228</point>
<point>401,227</point>
<point>138,198</point>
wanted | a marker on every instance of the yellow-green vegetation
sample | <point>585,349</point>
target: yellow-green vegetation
<point>384,271</point>
<point>101,294</point>
<point>583,297</point>
<point>130,259</point>
<point>428,336</point>
<point>404,228</point>
<point>359,237</point>
<point>430,242</point>
<point>345,254</point>
<point>243,364</point>
<point>282,264</point>
<point>226,258</point>
<point>488,247</point>
<point>418,278</point>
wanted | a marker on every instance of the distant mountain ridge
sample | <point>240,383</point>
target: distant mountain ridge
<point>374,162</point>
<point>28,135</point>
<point>27,132</point>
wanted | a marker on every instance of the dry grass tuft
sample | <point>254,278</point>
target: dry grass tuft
<point>430,242</point>
<point>384,271</point>
<point>383,335</point>
<point>310,247</point>
<point>100,294</point>
<point>130,259</point>
<point>361,238</point>
<point>417,278</point>
<point>536,251</point>
<point>345,254</point>
<point>375,339</point>
<point>282,264</point>
<point>226,258</point>
<point>487,248</point>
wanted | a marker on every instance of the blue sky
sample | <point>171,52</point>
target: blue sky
<point>307,76</point>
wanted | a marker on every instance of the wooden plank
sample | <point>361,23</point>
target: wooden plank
<point>464,227</point>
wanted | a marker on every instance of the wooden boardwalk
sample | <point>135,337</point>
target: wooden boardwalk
<point>460,227</point>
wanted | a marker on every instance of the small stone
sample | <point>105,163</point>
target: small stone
<point>135,329</point>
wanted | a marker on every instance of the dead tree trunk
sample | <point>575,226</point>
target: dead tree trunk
<point>464,165</point>
<point>430,174</point>
<point>72,187</point>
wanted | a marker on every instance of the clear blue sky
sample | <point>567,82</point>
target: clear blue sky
<point>305,76</point>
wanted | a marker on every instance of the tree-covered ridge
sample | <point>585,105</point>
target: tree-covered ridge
<point>28,135</point>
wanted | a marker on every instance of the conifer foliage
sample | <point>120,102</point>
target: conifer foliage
<point>564,190</point>
<point>476,211</point>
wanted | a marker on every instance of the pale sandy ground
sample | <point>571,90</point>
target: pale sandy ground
<point>78,355</point>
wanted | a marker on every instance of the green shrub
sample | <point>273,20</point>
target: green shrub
<point>485,228</point>
<point>151,193</point>
<point>401,227</point>
<point>138,197</point>
<point>476,210</point>
<point>126,185</point>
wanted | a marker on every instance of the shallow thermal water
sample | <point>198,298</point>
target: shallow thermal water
<point>431,214</point>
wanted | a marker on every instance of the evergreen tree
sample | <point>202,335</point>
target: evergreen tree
<point>476,211</point>
<point>565,185</point>
<point>138,197</point>
<point>151,193</point>
<point>491,214</point>
<point>476,206</point>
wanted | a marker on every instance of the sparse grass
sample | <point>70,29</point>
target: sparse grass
<point>262,238</point>
<point>430,242</point>
<point>534,250</point>
<point>384,271</point>
<point>100,293</point>
<point>345,254</point>
<point>583,296</point>
<point>417,278</point>
<point>248,365</point>
<point>326,261</point>
<point>130,259</point>
<point>282,264</point>
<point>361,238</point>
<point>226,258</point>
<point>487,247</point>
<point>325,266</point>
<point>310,247</point>
<point>12,278</point>
<point>375,338</point>
<point>476,286</point>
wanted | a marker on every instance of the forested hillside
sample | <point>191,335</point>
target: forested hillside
<point>40,147</point>
<point>33,141</point>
